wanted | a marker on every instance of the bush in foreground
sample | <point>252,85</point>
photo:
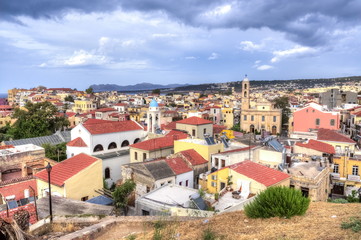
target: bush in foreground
<point>278,202</point>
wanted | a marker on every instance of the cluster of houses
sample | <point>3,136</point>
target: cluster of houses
<point>171,155</point>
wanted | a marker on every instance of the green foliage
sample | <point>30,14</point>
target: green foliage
<point>4,136</point>
<point>208,234</point>
<point>89,90</point>
<point>69,98</point>
<point>278,202</point>
<point>236,128</point>
<point>156,91</point>
<point>283,103</point>
<point>105,184</point>
<point>216,196</point>
<point>131,237</point>
<point>352,197</point>
<point>339,200</point>
<point>354,224</point>
<point>55,152</point>
<point>39,119</point>
<point>201,192</point>
<point>121,195</point>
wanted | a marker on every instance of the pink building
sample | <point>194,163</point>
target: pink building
<point>313,116</point>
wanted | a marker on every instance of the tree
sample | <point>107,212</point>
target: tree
<point>39,119</point>
<point>283,103</point>
<point>121,195</point>
<point>69,98</point>
<point>156,91</point>
<point>89,90</point>
<point>236,128</point>
<point>55,152</point>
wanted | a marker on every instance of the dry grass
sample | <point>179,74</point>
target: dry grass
<point>317,223</point>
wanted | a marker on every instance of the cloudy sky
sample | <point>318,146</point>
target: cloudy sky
<point>70,43</point>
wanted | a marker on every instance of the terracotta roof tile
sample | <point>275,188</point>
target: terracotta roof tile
<point>170,126</point>
<point>67,168</point>
<point>95,126</point>
<point>318,146</point>
<point>159,143</point>
<point>105,110</point>
<point>330,135</point>
<point>218,128</point>
<point>178,165</point>
<point>262,174</point>
<point>77,142</point>
<point>193,157</point>
<point>194,121</point>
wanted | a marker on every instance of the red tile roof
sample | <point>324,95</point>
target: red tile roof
<point>67,169</point>
<point>193,157</point>
<point>159,143</point>
<point>330,135</point>
<point>194,121</point>
<point>96,126</point>
<point>177,134</point>
<point>7,146</point>
<point>218,128</point>
<point>318,146</point>
<point>18,188</point>
<point>178,165</point>
<point>262,174</point>
<point>170,126</point>
<point>70,114</point>
<point>77,142</point>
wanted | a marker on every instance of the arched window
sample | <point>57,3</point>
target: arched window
<point>136,140</point>
<point>98,148</point>
<point>245,86</point>
<point>274,130</point>
<point>107,173</point>
<point>112,145</point>
<point>251,128</point>
<point>245,94</point>
<point>125,143</point>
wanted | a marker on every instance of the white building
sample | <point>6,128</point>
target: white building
<point>107,140</point>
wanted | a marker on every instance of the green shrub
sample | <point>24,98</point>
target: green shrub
<point>277,202</point>
<point>354,224</point>
<point>339,200</point>
<point>352,197</point>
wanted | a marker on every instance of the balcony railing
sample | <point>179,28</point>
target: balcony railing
<point>355,178</point>
<point>335,175</point>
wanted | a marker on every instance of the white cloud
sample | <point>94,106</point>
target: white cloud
<point>297,51</point>
<point>84,58</point>
<point>250,46</point>
<point>218,11</point>
<point>190,58</point>
<point>264,67</point>
<point>163,35</point>
<point>213,56</point>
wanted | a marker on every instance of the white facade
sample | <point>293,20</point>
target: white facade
<point>225,159</point>
<point>185,179</point>
<point>113,154</point>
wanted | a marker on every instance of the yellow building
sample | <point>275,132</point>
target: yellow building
<point>246,174</point>
<point>196,127</point>
<point>258,116</point>
<point>12,95</point>
<point>200,146</point>
<point>346,174</point>
<point>82,106</point>
<point>228,117</point>
<point>75,178</point>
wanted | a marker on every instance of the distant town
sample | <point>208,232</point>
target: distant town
<point>192,151</point>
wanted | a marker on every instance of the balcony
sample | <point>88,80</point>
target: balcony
<point>355,178</point>
<point>335,175</point>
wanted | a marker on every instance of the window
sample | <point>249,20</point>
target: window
<point>354,170</point>
<point>193,132</point>
<point>136,155</point>
<point>136,140</point>
<point>223,163</point>
<point>125,143</point>
<point>145,213</point>
<point>332,122</point>
<point>263,118</point>
<point>112,145</point>
<point>148,189</point>
<point>186,183</point>
<point>335,168</point>
<point>85,198</point>
<point>252,118</point>
<point>216,162</point>
<point>274,118</point>
<point>98,148</point>
<point>317,121</point>
<point>170,181</point>
<point>107,173</point>
<point>180,183</point>
<point>204,131</point>
<point>245,117</point>
<point>144,156</point>
<point>306,110</point>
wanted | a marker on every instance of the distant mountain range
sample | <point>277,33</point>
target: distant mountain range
<point>136,87</point>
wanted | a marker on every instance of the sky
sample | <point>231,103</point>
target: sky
<point>75,44</point>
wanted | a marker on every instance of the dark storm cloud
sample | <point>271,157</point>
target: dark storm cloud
<point>307,22</point>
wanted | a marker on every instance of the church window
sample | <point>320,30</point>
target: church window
<point>274,118</point>
<point>263,118</point>
<point>136,140</point>
<point>245,94</point>
<point>245,117</point>
<point>252,118</point>
<point>112,145</point>
<point>125,143</point>
<point>98,148</point>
